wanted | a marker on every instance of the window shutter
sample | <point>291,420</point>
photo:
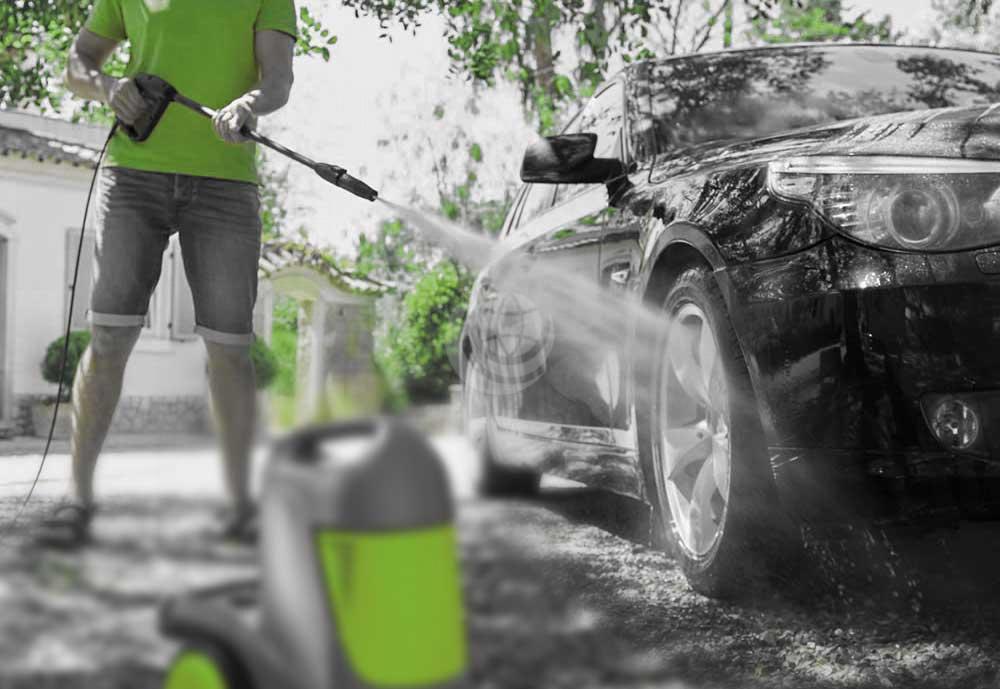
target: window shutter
<point>85,279</point>
<point>182,302</point>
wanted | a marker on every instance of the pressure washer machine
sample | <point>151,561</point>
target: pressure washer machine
<point>359,583</point>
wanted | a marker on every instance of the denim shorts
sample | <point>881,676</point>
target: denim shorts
<point>219,228</point>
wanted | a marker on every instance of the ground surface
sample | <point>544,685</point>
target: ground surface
<point>561,592</point>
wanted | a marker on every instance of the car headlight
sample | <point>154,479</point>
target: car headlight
<point>914,204</point>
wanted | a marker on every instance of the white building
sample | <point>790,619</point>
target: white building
<point>45,170</point>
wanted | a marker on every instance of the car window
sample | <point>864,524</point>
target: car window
<point>744,95</point>
<point>537,200</point>
<point>602,116</point>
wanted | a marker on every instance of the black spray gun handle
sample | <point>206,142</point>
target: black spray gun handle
<point>158,94</point>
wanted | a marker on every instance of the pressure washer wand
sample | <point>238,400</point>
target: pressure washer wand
<point>334,174</point>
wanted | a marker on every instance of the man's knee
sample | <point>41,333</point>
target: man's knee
<point>113,342</point>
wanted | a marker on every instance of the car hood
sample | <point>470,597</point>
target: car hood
<point>970,132</point>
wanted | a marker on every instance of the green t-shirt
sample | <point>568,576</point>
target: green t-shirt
<point>205,48</point>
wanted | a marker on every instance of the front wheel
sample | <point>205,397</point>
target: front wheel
<point>712,489</point>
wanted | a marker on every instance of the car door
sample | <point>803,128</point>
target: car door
<point>554,382</point>
<point>620,259</point>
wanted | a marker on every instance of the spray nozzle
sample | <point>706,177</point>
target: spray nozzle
<point>334,174</point>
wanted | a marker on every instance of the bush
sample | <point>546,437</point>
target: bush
<point>417,352</point>
<point>52,364</point>
<point>284,344</point>
<point>265,363</point>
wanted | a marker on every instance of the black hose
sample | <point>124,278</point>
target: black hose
<point>69,328</point>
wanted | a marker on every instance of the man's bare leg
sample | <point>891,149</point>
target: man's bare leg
<point>96,389</point>
<point>234,399</point>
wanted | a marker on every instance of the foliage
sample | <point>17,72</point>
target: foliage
<point>394,255</point>
<point>515,40</point>
<point>52,363</point>
<point>418,350</point>
<point>284,343</point>
<point>818,20</point>
<point>972,15</point>
<point>967,24</point>
<point>520,40</point>
<point>273,198</point>
<point>286,315</point>
<point>35,37</point>
<point>265,363</point>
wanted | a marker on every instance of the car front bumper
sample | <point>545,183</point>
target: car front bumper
<point>845,345</point>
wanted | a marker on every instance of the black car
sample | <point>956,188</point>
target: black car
<point>755,288</point>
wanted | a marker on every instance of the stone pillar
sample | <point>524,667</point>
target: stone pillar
<point>310,362</point>
<point>263,312</point>
<point>350,381</point>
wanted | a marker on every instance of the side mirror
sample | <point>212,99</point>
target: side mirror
<point>568,159</point>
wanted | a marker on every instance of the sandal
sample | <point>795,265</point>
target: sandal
<point>68,526</point>
<point>240,526</point>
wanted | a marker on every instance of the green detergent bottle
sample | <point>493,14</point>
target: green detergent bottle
<point>360,585</point>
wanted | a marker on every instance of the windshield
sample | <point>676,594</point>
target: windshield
<point>750,94</point>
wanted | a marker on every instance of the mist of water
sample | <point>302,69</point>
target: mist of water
<point>472,249</point>
<point>592,313</point>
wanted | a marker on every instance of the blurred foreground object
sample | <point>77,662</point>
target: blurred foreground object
<point>360,583</point>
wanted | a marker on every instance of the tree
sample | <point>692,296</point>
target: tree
<point>35,36</point>
<point>818,20</point>
<point>558,51</point>
<point>967,24</point>
<point>524,40</point>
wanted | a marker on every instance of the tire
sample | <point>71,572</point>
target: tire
<point>705,460</point>
<point>495,479</point>
<point>204,664</point>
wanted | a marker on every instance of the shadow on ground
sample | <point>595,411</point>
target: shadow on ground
<point>562,591</point>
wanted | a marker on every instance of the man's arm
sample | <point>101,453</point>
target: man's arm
<point>274,51</point>
<point>85,78</point>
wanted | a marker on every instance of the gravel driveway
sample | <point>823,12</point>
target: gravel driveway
<point>561,592</point>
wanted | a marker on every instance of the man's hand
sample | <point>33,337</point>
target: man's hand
<point>125,99</point>
<point>230,120</point>
<point>273,51</point>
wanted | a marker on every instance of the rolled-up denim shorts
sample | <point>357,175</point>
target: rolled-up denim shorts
<point>219,228</point>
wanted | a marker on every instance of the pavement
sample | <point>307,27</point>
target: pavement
<point>177,465</point>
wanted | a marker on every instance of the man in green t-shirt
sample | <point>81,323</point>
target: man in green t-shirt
<point>191,177</point>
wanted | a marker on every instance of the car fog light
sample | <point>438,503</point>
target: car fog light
<point>955,423</point>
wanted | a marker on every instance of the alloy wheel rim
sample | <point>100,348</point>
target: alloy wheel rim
<point>695,445</point>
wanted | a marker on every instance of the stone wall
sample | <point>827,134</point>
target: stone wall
<point>183,414</point>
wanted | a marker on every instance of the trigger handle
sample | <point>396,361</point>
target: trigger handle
<point>158,93</point>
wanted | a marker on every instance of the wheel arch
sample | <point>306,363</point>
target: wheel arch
<point>676,248</point>
<point>671,250</point>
